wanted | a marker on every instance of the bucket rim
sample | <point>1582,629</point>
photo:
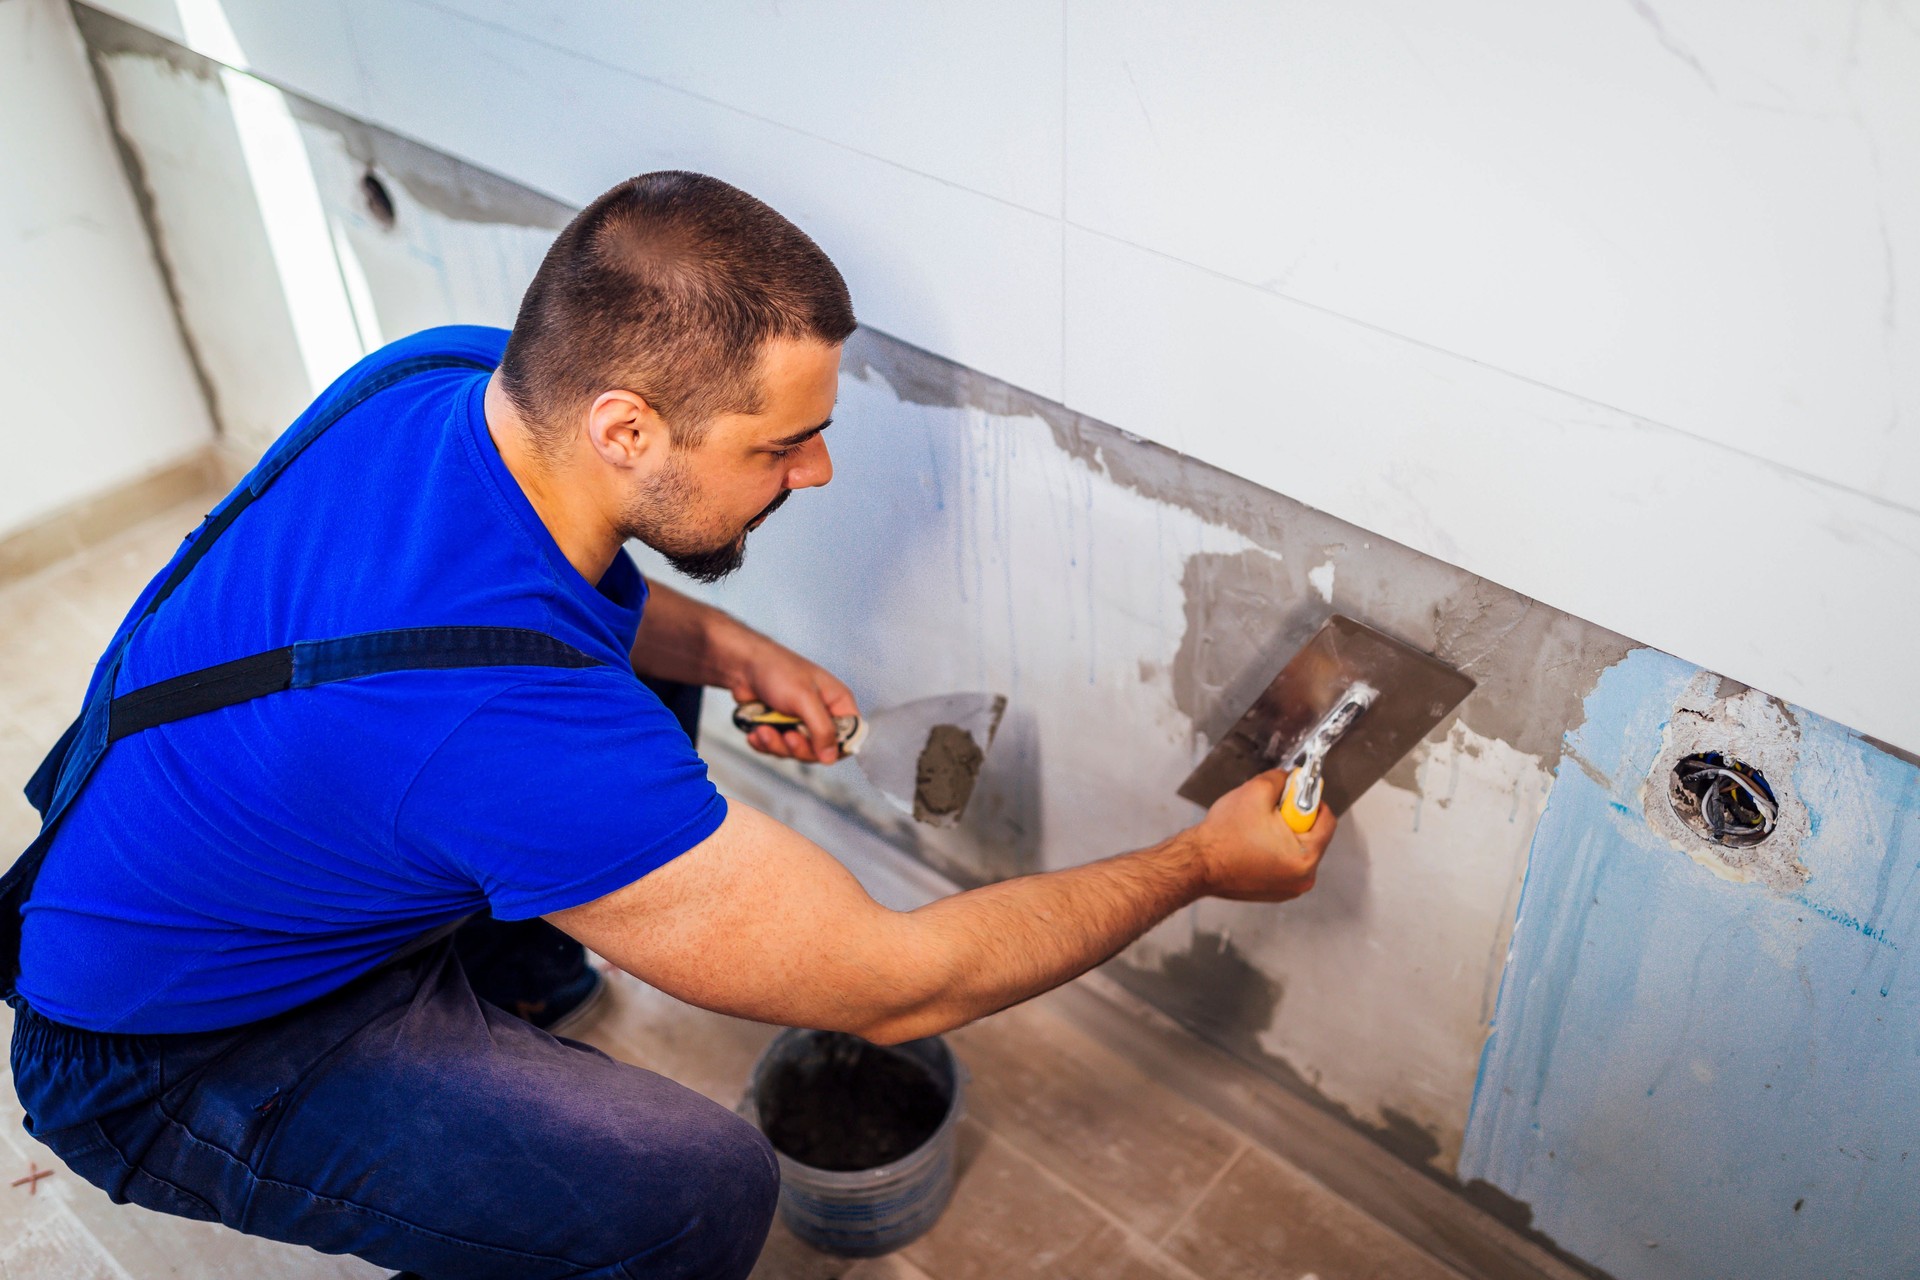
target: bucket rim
<point>908,1164</point>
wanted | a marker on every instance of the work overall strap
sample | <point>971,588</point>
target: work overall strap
<point>107,718</point>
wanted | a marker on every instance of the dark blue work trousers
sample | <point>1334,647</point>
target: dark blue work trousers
<point>407,1121</point>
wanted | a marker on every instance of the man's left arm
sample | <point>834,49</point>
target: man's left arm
<point>682,639</point>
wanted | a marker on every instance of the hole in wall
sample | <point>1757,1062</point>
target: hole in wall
<point>379,200</point>
<point>1722,799</point>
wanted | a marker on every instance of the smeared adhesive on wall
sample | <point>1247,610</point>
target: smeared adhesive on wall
<point>1429,865</point>
<point>1320,577</point>
<point>1533,664</point>
<point>1418,873</point>
<point>1211,987</point>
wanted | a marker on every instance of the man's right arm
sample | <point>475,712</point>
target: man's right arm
<point>759,922</point>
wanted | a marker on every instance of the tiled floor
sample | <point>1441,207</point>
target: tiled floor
<point>1074,1163</point>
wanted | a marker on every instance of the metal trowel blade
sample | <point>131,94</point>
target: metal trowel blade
<point>1416,691</point>
<point>925,755</point>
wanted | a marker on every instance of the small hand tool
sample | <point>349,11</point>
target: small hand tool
<point>1342,712</point>
<point>924,755</point>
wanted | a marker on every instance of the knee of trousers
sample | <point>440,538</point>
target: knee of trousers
<point>730,1184</point>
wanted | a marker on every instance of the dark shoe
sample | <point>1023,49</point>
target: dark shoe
<point>565,1010</point>
<point>529,968</point>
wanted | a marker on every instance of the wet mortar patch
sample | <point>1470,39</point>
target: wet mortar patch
<point>943,778</point>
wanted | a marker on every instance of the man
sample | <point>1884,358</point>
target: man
<point>392,683</point>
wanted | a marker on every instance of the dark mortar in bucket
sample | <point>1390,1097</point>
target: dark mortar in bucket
<point>866,1136</point>
<point>847,1105</point>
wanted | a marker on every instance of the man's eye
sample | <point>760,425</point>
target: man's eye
<point>785,452</point>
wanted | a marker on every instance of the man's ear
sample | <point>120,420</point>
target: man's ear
<point>626,431</point>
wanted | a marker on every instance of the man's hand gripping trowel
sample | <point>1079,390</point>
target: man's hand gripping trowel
<point>1340,714</point>
<point>924,756</point>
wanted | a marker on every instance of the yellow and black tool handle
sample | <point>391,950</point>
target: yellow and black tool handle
<point>748,716</point>
<point>1300,802</point>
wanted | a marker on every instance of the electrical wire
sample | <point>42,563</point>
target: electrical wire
<point>1733,801</point>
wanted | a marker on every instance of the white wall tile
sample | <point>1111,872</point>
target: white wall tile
<point>970,93</point>
<point>957,272</point>
<point>159,16</point>
<point>1776,580</point>
<point>1700,221</point>
<point>304,47</point>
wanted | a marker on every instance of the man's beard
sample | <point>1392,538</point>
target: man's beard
<point>659,515</point>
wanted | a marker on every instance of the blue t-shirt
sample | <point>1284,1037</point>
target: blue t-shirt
<point>232,865</point>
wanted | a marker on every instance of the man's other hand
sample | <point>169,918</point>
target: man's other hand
<point>774,674</point>
<point>1250,853</point>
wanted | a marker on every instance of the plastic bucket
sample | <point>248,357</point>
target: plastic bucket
<point>859,1213</point>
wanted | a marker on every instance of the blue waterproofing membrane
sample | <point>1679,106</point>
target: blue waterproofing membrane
<point>1690,1077</point>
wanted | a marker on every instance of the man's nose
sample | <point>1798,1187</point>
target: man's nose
<point>812,468</point>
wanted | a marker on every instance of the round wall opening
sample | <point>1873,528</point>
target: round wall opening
<point>380,206</point>
<point>1722,799</point>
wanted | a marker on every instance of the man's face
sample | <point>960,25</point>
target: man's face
<point>699,506</point>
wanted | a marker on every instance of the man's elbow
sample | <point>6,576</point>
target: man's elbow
<point>903,1015</point>
<point>921,993</point>
<point>898,1028</point>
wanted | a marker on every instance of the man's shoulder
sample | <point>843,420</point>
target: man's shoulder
<point>569,707</point>
<point>470,345</point>
<point>560,788</point>
<point>469,341</point>
<point>564,732</point>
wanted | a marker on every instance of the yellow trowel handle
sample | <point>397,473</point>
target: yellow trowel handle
<point>748,716</point>
<point>1300,802</point>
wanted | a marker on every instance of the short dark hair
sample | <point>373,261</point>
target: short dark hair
<point>667,286</point>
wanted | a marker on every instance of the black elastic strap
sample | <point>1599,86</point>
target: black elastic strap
<point>318,662</point>
<point>199,692</point>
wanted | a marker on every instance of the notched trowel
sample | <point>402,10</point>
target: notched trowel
<point>1340,714</point>
<point>924,756</point>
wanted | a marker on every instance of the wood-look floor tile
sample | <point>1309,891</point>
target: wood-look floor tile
<point>1125,1141</point>
<point>1011,1218</point>
<point>891,1267</point>
<point>47,652</point>
<point>787,1258</point>
<point>1266,1220</point>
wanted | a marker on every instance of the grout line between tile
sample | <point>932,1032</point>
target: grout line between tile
<point>1066,25</point>
<point>1100,1210</point>
<point>1219,1176</point>
<point>460,15</point>
<point>1637,417</point>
